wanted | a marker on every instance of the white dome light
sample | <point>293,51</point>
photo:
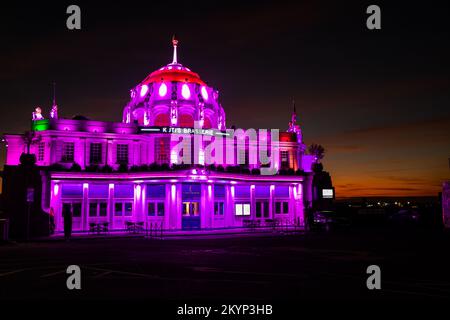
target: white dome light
<point>144,90</point>
<point>185,91</point>
<point>162,90</point>
<point>204,93</point>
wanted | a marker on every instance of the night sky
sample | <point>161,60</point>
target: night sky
<point>378,101</point>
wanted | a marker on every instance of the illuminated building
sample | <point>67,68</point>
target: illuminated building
<point>158,164</point>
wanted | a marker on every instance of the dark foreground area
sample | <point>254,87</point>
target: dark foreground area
<point>316,266</point>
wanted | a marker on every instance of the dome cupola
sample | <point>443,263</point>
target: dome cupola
<point>175,96</point>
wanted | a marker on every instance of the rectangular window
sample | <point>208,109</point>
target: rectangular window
<point>102,209</point>
<point>160,208</point>
<point>128,212</point>
<point>41,151</point>
<point>95,154</point>
<point>72,207</point>
<point>122,153</point>
<point>98,209</point>
<point>284,158</point>
<point>281,207</point>
<point>242,209</point>
<point>123,209</point>
<point>151,209</point>
<point>262,209</point>
<point>155,209</point>
<point>218,208</point>
<point>162,150</point>
<point>93,209</point>
<point>68,151</point>
<point>118,209</point>
<point>76,209</point>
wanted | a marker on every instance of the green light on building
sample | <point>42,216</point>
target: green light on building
<point>40,125</point>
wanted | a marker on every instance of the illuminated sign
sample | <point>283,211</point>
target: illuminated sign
<point>178,130</point>
<point>327,193</point>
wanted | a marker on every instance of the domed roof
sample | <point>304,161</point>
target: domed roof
<point>173,72</point>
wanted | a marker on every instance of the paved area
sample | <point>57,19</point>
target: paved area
<point>415,264</point>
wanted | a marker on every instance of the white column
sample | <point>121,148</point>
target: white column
<point>55,203</point>
<point>85,207</point>
<point>111,205</point>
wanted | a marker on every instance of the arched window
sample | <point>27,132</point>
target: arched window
<point>186,121</point>
<point>162,120</point>
<point>207,123</point>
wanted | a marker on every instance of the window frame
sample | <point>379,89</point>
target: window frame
<point>98,210</point>
<point>121,154</point>
<point>156,204</point>
<point>68,152</point>
<point>220,204</point>
<point>96,158</point>
<point>41,151</point>
<point>236,204</point>
<point>123,203</point>
<point>282,203</point>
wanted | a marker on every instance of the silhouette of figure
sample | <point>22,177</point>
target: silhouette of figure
<point>52,221</point>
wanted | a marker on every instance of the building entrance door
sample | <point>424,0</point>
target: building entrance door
<point>262,209</point>
<point>191,215</point>
<point>190,218</point>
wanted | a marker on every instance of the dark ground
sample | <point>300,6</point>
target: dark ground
<point>415,264</point>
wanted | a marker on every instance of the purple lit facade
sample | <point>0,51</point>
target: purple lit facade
<point>158,165</point>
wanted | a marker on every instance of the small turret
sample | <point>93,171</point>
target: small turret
<point>54,110</point>
<point>293,126</point>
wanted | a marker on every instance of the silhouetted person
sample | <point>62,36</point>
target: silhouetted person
<point>51,221</point>
<point>68,224</point>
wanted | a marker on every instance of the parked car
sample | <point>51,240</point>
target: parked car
<point>328,219</point>
<point>405,217</point>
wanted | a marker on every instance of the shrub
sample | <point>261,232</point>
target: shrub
<point>107,169</point>
<point>27,159</point>
<point>123,168</point>
<point>75,167</point>
<point>134,168</point>
<point>56,167</point>
<point>154,167</point>
<point>92,168</point>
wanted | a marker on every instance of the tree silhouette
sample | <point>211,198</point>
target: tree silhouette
<point>30,138</point>
<point>317,150</point>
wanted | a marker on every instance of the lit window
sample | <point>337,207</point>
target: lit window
<point>144,90</point>
<point>185,92</point>
<point>162,90</point>
<point>242,209</point>
<point>204,93</point>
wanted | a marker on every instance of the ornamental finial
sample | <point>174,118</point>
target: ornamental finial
<point>174,43</point>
